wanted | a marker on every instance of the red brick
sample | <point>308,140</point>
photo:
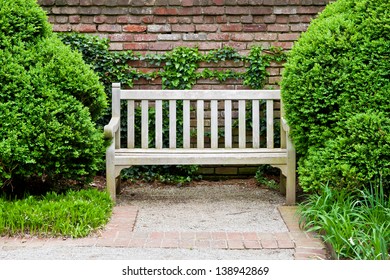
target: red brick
<point>165,11</point>
<point>213,10</point>
<point>74,19</point>
<point>269,19</point>
<point>261,10</point>
<point>269,244</point>
<point>187,3</point>
<point>247,19</point>
<point>61,27</point>
<point>191,11</point>
<point>147,19</point>
<point>218,36</point>
<point>299,27</point>
<point>238,46</point>
<point>135,46</point>
<point>285,10</point>
<point>278,28</point>
<point>85,2</point>
<point>254,27</point>
<point>160,46</point>
<point>219,2</point>
<point>221,19</point>
<point>309,10</point>
<point>231,28</point>
<point>145,37</point>
<point>134,28</point>
<point>121,37</point>
<point>109,28</point>
<point>159,28</point>
<point>176,20</point>
<point>209,46</point>
<point>183,28</point>
<point>206,28</point>
<point>288,36</point>
<point>234,10</point>
<point>99,19</point>
<point>122,19</point>
<point>168,37</point>
<point>242,37</point>
<point>266,36</point>
<point>282,19</point>
<point>85,28</point>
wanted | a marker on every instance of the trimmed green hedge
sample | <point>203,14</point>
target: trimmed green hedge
<point>49,102</point>
<point>340,68</point>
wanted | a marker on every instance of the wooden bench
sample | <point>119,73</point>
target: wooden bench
<point>221,105</point>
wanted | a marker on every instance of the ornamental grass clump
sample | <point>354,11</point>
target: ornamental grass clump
<point>72,214</point>
<point>49,102</point>
<point>336,92</point>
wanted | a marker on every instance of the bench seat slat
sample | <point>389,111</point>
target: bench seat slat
<point>128,159</point>
<point>197,151</point>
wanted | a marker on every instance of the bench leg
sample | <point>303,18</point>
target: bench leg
<point>291,174</point>
<point>282,185</point>
<point>110,171</point>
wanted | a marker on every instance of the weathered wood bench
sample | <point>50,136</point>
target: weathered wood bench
<point>222,105</point>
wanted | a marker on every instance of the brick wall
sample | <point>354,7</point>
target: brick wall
<point>157,26</point>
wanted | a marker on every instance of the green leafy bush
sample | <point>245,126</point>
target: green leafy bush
<point>49,99</point>
<point>338,68</point>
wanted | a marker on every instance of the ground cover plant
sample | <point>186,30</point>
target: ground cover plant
<point>355,223</point>
<point>71,214</point>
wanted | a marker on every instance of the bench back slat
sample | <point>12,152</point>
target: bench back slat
<point>172,124</point>
<point>200,124</point>
<point>241,124</point>
<point>256,124</point>
<point>130,123</point>
<point>145,124</point>
<point>270,124</point>
<point>214,124</point>
<point>228,124</point>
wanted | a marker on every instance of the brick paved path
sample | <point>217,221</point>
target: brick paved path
<point>119,233</point>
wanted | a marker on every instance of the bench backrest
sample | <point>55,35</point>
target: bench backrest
<point>221,105</point>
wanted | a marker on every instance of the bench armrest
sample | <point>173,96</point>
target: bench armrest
<point>285,126</point>
<point>111,128</point>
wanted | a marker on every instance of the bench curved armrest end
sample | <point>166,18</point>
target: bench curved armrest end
<point>111,128</point>
<point>285,126</point>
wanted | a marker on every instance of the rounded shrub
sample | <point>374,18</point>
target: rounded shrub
<point>49,100</point>
<point>338,68</point>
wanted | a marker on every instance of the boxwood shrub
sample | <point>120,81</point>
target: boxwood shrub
<point>49,100</point>
<point>337,69</point>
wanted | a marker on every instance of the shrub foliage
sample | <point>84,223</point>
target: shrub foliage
<point>49,100</point>
<point>340,68</point>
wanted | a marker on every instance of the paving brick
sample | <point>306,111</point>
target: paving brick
<point>269,244</point>
<point>252,244</point>
<point>235,244</point>
<point>218,244</point>
<point>170,243</point>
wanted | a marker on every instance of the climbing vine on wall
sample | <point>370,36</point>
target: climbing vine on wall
<point>179,68</point>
